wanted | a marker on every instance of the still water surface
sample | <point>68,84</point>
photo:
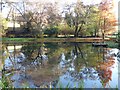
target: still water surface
<point>61,65</point>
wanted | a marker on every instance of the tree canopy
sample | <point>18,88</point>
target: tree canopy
<point>75,19</point>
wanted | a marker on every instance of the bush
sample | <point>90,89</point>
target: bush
<point>51,31</point>
<point>66,30</point>
<point>119,36</point>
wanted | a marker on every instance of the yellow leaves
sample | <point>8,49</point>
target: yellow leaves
<point>4,24</point>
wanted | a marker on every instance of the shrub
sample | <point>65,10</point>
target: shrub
<point>51,31</point>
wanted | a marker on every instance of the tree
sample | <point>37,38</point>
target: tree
<point>92,22</point>
<point>107,17</point>
<point>81,13</point>
<point>37,16</point>
<point>77,16</point>
<point>3,25</point>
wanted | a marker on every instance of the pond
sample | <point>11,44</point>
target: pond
<point>60,65</point>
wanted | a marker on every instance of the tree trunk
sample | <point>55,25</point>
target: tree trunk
<point>103,37</point>
<point>104,31</point>
<point>75,33</point>
<point>79,29</point>
<point>95,32</point>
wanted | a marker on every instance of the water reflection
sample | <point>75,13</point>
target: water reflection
<point>61,65</point>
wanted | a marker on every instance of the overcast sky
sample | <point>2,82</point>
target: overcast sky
<point>63,2</point>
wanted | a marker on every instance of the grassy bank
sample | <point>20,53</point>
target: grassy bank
<point>112,44</point>
<point>22,40</point>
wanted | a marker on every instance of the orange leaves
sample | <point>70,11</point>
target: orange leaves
<point>105,71</point>
<point>106,7</point>
<point>107,16</point>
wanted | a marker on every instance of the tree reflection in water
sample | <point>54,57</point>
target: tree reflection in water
<point>104,68</point>
<point>46,63</point>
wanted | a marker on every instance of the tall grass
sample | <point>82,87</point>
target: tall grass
<point>5,82</point>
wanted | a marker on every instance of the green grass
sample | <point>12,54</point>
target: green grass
<point>20,40</point>
<point>112,44</point>
<point>5,82</point>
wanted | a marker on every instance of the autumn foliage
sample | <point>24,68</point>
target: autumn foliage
<point>107,16</point>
